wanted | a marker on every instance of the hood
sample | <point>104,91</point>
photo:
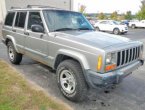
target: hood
<point>92,38</point>
<point>122,26</point>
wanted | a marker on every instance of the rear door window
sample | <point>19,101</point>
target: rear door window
<point>20,19</point>
<point>9,18</point>
<point>103,22</point>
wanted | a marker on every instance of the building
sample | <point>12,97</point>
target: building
<point>2,10</point>
<point>7,4</point>
<point>143,2</point>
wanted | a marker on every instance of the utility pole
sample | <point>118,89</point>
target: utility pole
<point>71,5</point>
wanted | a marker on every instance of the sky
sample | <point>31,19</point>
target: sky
<point>108,6</point>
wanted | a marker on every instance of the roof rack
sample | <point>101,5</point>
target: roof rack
<point>35,6</point>
<point>40,6</point>
<point>15,7</point>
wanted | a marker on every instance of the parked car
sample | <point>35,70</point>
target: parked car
<point>125,22</point>
<point>93,21</point>
<point>111,26</point>
<point>137,24</point>
<point>66,42</point>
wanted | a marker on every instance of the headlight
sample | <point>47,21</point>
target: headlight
<point>110,62</point>
<point>141,52</point>
<point>111,58</point>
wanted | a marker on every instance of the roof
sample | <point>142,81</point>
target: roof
<point>34,7</point>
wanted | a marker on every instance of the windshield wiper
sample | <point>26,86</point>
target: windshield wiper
<point>64,29</point>
<point>84,29</point>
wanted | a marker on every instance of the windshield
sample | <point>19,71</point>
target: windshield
<point>60,20</point>
<point>116,22</point>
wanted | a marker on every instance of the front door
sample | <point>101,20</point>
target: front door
<point>36,44</point>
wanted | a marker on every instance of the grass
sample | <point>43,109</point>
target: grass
<point>16,93</point>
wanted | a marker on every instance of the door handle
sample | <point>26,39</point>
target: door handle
<point>14,30</point>
<point>41,36</point>
<point>26,33</point>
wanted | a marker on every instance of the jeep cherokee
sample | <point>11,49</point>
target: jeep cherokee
<point>65,41</point>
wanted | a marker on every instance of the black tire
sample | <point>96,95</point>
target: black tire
<point>81,87</point>
<point>133,26</point>
<point>116,31</point>
<point>17,57</point>
<point>97,28</point>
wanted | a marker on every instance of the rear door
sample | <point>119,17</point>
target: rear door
<point>102,25</point>
<point>36,44</point>
<point>18,30</point>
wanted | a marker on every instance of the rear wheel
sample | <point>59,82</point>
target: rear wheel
<point>97,28</point>
<point>116,31</point>
<point>14,57</point>
<point>133,26</point>
<point>71,81</point>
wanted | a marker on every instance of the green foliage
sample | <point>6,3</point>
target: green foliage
<point>121,17</point>
<point>17,94</point>
<point>128,15</point>
<point>114,15</point>
<point>141,14</point>
<point>101,16</point>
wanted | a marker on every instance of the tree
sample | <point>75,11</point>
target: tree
<point>121,17</point>
<point>141,14</point>
<point>82,9</point>
<point>114,15</point>
<point>128,15</point>
<point>101,16</point>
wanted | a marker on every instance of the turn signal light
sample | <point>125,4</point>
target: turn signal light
<point>110,67</point>
<point>99,66</point>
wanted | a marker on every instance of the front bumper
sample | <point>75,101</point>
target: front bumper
<point>96,79</point>
<point>124,31</point>
<point>3,41</point>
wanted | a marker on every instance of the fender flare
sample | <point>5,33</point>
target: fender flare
<point>13,41</point>
<point>75,55</point>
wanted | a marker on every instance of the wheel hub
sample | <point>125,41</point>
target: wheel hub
<point>11,53</point>
<point>67,81</point>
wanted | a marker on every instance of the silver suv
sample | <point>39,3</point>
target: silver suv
<point>66,42</point>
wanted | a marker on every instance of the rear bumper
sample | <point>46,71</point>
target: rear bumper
<point>96,79</point>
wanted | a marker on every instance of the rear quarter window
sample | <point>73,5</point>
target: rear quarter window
<point>9,18</point>
<point>20,19</point>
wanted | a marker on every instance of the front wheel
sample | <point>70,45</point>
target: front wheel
<point>14,57</point>
<point>116,31</point>
<point>71,81</point>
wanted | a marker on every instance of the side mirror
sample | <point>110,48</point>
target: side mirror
<point>37,28</point>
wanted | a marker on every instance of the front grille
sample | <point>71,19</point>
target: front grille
<point>127,55</point>
<point>126,28</point>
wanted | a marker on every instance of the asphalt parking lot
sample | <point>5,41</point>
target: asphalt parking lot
<point>129,95</point>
